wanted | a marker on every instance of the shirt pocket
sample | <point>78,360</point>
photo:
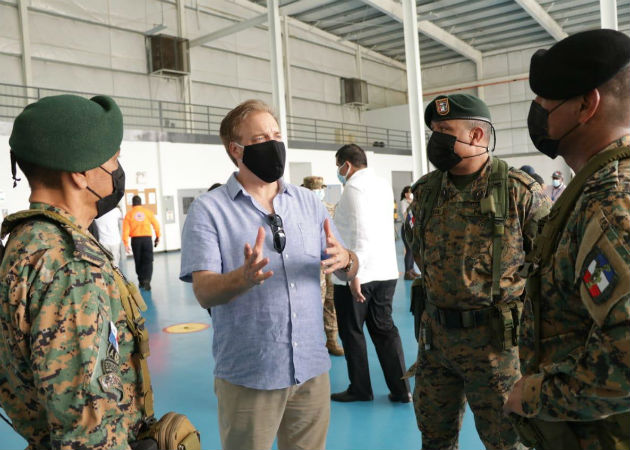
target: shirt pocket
<point>311,241</point>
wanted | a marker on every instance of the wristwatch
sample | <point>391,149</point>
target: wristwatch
<point>348,268</point>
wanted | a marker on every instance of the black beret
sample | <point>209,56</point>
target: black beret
<point>578,63</point>
<point>456,106</point>
<point>68,132</point>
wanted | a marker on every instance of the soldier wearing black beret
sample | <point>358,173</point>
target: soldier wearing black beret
<point>575,389</point>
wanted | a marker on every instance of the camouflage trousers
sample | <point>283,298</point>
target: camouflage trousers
<point>460,365</point>
<point>330,314</point>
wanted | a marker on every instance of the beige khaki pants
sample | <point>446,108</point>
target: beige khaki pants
<point>250,419</point>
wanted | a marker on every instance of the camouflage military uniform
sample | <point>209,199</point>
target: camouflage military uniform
<point>330,314</point>
<point>459,364</point>
<point>67,376</point>
<point>584,370</point>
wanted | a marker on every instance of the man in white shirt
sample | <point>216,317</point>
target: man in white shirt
<point>364,220</point>
<point>109,233</point>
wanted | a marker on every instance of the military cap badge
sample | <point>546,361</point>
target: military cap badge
<point>442,107</point>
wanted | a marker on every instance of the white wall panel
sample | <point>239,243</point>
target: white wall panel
<point>9,30</point>
<point>11,69</point>
<point>495,66</point>
<point>128,51</point>
<point>444,75</point>
<point>82,43</point>
<point>57,75</point>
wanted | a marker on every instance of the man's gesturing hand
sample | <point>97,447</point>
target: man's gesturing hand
<point>254,261</point>
<point>339,256</point>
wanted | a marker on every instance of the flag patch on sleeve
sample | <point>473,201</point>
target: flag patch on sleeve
<point>599,277</point>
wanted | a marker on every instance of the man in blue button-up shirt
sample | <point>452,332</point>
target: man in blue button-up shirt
<point>271,375</point>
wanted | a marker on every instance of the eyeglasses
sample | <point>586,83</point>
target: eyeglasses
<point>279,238</point>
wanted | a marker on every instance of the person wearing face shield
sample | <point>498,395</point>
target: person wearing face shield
<point>253,250</point>
<point>470,225</point>
<point>574,345</point>
<point>70,372</point>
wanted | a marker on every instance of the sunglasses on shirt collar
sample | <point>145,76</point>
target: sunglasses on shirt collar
<point>279,237</point>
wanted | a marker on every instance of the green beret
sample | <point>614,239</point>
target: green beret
<point>456,106</point>
<point>578,63</point>
<point>68,132</point>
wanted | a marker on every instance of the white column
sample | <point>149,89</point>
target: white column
<point>287,64</point>
<point>277,74</point>
<point>186,83</point>
<point>27,73</point>
<point>608,10</point>
<point>414,88</point>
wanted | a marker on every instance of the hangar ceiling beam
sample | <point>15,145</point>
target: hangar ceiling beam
<point>538,13</point>
<point>293,8</point>
<point>395,10</point>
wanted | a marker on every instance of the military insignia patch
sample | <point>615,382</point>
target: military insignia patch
<point>112,386</point>
<point>599,277</point>
<point>442,107</point>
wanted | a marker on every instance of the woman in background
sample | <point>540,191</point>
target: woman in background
<point>406,197</point>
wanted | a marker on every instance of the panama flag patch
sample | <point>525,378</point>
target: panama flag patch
<point>599,277</point>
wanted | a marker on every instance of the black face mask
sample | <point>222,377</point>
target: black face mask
<point>538,125</point>
<point>109,202</point>
<point>266,160</point>
<point>441,151</point>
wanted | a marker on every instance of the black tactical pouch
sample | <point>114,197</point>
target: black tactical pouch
<point>418,297</point>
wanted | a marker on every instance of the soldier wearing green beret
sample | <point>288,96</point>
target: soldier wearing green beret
<point>472,222</point>
<point>72,345</point>
<point>575,342</point>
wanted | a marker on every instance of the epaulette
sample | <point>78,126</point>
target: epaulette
<point>525,179</point>
<point>605,177</point>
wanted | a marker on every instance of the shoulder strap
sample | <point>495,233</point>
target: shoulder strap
<point>547,240</point>
<point>130,298</point>
<point>428,200</point>
<point>496,203</point>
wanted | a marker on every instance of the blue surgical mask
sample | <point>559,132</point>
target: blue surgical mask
<point>321,194</point>
<point>556,183</point>
<point>343,179</point>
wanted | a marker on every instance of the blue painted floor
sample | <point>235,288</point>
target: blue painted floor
<point>181,370</point>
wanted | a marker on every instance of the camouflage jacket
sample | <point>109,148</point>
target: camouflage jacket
<point>458,240</point>
<point>584,370</point>
<point>67,378</point>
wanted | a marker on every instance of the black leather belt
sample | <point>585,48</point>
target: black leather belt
<point>453,318</point>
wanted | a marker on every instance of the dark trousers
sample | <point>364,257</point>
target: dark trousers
<point>376,312</point>
<point>408,253</point>
<point>142,248</point>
